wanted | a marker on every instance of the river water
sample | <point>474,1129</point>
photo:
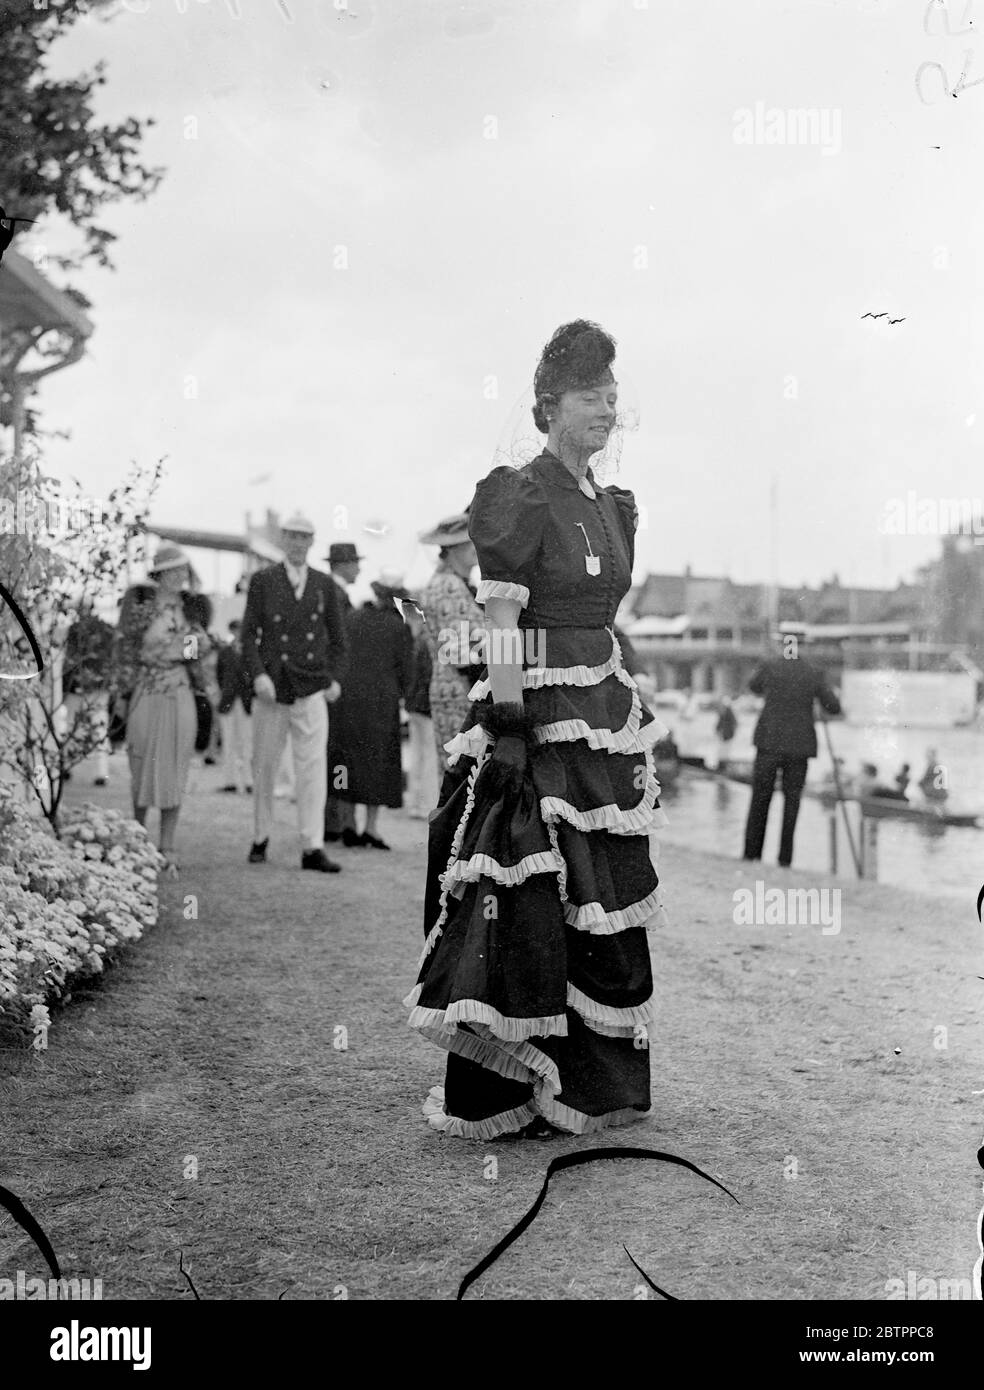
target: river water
<point>927,858</point>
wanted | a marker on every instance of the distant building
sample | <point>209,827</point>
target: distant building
<point>42,330</point>
<point>707,634</point>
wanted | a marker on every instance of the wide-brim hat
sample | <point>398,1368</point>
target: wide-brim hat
<point>342,553</point>
<point>453,530</point>
<point>298,522</point>
<point>168,557</point>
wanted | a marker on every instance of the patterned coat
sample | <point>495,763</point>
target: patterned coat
<point>455,626</point>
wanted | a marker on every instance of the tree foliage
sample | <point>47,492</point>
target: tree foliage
<point>55,156</point>
<point>60,557</point>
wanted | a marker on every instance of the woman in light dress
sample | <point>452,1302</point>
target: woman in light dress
<point>159,643</point>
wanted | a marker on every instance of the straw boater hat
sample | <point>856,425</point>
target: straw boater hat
<point>298,522</point>
<point>451,531</point>
<point>168,557</point>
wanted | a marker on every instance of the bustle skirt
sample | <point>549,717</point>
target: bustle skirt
<point>535,974</point>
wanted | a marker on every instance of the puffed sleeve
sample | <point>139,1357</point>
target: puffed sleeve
<point>506,523</point>
<point>628,514</point>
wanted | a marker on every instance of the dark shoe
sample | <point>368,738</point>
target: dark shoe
<point>249,791</point>
<point>101,782</point>
<point>374,840</point>
<point>352,839</point>
<point>318,860</point>
<point>332,835</point>
<point>208,760</point>
<point>257,854</point>
<point>229,788</point>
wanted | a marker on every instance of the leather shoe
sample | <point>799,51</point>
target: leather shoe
<point>318,860</point>
<point>373,840</point>
<point>257,854</point>
<point>352,839</point>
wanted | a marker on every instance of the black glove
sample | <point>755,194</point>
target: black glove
<point>507,765</point>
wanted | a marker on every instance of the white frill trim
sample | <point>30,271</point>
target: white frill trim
<point>565,1118</point>
<point>484,866</point>
<point>638,1032</point>
<point>435,1111</point>
<point>590,1009</point>
<point>638,820</point>
<point>470,743</point>
<point>534,677</point>
<point>475,1011</point>
<point>502,588</point>
<point>519,1061</point>
<point>505,1123</point>
<point>628,739</point>
<point>592,917</point>
<point>411,1000</point>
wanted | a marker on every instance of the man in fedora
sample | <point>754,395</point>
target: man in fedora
<point>785,738</point>
<point>343,560</point>
<point>294,651</point>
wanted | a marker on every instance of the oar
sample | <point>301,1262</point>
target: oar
<point>841,798</point>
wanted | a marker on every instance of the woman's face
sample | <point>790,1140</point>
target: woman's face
<point>174,580</point>
<point>586,416</point>
<point>463,558</point>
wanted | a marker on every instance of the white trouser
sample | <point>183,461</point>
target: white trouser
<point>422,788</point>
<point>91,711</point>
<point>237,747</point>
<point>306,721</point>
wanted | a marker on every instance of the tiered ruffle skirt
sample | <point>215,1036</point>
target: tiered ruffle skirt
<point>536,974</point>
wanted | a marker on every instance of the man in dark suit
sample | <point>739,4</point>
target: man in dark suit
<point>785,737</point>
<point>343,560</point>
<point>294,651</point>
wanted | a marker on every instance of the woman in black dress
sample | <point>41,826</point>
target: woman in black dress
<point>367,737</point>
<point>536,972</point>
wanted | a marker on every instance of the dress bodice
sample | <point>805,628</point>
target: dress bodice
<point>566,557</point>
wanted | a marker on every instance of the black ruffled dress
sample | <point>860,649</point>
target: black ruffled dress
<point>536,973</point>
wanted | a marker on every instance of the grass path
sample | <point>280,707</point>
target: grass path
<point>214,1041</point>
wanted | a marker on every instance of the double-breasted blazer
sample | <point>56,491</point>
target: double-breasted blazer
<point>299,643</point>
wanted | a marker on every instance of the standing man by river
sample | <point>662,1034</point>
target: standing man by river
<point>785,737</point>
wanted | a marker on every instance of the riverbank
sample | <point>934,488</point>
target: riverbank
<point>199,1099</point>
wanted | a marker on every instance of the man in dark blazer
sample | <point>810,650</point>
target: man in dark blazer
<point>295,651</point>
<point>343,561</point>
<point>785,737</point>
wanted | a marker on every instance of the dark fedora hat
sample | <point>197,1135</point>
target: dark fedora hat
<point>342,553</point>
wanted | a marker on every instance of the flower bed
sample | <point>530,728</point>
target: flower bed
<point>67,905</point>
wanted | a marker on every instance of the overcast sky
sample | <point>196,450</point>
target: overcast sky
<point>386,209</point>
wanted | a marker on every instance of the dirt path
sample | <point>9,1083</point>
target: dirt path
<point>213,1048</point>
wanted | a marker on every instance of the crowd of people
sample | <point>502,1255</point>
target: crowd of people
<point>257,699</point>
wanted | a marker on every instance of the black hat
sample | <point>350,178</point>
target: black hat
<point>342,553</point>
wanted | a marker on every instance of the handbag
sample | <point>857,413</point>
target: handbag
<point>203,709</point>
<point>119,710</point>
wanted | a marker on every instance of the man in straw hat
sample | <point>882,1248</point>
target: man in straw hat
<point>294,651</point>
<point>785,737</point>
